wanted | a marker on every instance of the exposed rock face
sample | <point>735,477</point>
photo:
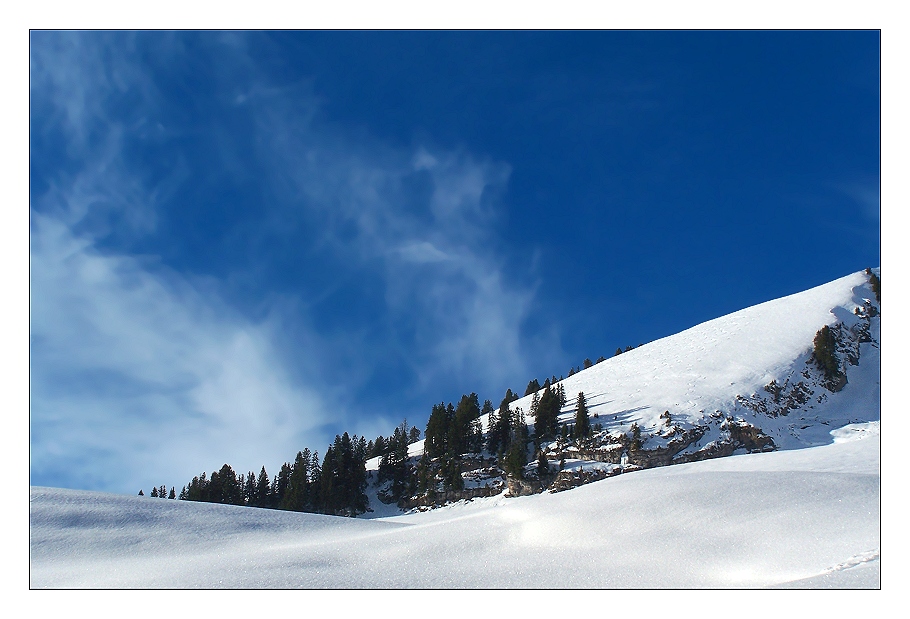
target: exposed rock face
<point>566,480</point>
<point>441,498</point>
<point>523,487</point>
<point>662,456</point>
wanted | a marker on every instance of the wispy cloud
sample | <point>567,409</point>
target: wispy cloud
<point>142,375</point>
<point>434,254</point>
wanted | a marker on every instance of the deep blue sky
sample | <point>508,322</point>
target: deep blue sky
<point>243,243</point>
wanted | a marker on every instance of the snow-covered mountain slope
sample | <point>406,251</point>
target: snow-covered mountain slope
<point>804,515</point>
<point>800,518</point>
<point>753,366</point>
<point>711,366</point>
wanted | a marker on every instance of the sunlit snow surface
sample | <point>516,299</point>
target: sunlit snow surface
<point>807,516</point>
<point>804,518</point>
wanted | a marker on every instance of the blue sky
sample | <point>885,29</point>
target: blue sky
<point>243,243</point>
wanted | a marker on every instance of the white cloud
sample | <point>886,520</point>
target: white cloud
<point>141,375</point>
<point>147,372</point>
<point>422,252</point>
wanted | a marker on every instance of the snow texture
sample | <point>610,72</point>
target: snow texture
<point>802,518</point>
<point>806,516</point>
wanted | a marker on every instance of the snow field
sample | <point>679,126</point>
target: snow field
<point>761,520</point>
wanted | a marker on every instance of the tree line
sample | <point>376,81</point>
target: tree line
<point>337,484</point>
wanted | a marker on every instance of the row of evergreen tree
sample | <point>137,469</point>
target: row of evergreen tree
<point>337,484</point>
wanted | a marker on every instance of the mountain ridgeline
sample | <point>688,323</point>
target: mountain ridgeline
<point>756,380</point>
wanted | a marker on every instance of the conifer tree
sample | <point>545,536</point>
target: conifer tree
<point>588,363</point>
<point>437,432</point>
<point>172,494</point>
<point>492,436</point>
<point>543,465</point>
<point>155,492</point>
<point>249,488</point>
<point>294,498</point>
<point>618,352</point>
<point>141,493</point>
<point>500,433</point>
<point>824,352</point>
<point>315,499</point>
<point>280,485</point>
<point>263,490</point>
<point>875,284</point>
<point>582,422</point>
<point>547,415</point>
<point>515,459</point>
<point>379,447</point>
<point>636,437</point>
<point>533,387</point>
<point>460,429</point>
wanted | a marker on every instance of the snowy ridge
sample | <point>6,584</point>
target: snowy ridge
<point>704,369</point>
<point>752,368</point>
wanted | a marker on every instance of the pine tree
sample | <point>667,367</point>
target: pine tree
<point>141,493</point>
<point>487,408</point>
<point>875,283</point>
<point>379,447</point>
<point>154,492</point>
<point>315,496</point>
<point>582,422</point>
<point>460,425</point>
<point>515,459</point>
<point>533,387</point>
<point>436,434</point>
<point>294,498</point>
<point>262,496</point>
<point>499,436</point>
<point>162,492</point>
<point>492,444</point>
<point>547,415</point>
<point>280,484</point>
<point>636,437</point>
<point>588,363</point>
<point>172,495</point>
<point>618,352</point>
<point>824,352</point>
<point>543,465</point>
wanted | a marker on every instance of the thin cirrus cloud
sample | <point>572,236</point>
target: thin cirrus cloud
<point>139,376</point>
<point>142,373</point>
<point>433,256</point>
